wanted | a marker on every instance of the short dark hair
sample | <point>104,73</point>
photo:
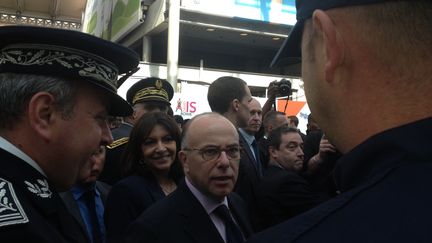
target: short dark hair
<point>274,138</point>
<point>132,155</point>
<point>223,91</point>
<point>270,117</point>
<point>178,119</point>
<point>17,90</point>
<point>294,119</point>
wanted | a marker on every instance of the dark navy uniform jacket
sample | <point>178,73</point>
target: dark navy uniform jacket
<point>113,169</point>
<point>386,185</point>
<point>30,208</point>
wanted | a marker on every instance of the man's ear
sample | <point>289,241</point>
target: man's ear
<point>235,104</point>
<point>42,114</point>
<point>333,43</point>
<point>183,159</point>
<point>272,152</point>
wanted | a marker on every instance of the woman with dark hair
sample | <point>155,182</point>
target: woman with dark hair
<point>152,172</point>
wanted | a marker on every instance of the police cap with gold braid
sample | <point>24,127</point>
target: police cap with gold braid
<point>68,54</point>
<point>150,89</point>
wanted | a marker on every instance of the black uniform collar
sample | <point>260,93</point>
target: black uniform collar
<point>383,152</point>
<point>27,179</point>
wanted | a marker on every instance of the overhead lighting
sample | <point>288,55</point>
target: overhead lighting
<point>243,34</point>
<point>210,29</point>
<point>276,38</point>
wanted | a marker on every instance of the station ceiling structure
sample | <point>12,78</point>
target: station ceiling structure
<point>220,42</point>
<point>65,14</point>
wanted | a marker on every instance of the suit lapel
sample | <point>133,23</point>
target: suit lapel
<point>240,215</point>
<point>245,147</point>
<point>72,206</point>
<point>103,189</point>
<point>197,223</point>
<point>73,229</point>
<point>250,158</point>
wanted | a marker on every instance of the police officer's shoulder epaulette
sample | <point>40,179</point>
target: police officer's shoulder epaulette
<point>11,211</point>
<point>118,142</point>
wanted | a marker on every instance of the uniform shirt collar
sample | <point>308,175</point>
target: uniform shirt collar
<point>6,145</point>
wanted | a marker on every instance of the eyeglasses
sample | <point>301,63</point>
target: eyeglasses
<point>213,153</point>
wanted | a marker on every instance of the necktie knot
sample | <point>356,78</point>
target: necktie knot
<point>222,212</point>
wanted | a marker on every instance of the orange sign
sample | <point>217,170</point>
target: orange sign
<point>293,107</point>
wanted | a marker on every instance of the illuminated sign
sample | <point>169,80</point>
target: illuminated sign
<point>274,11</point>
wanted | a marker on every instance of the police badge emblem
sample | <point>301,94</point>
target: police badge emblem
<point>11,211</point>
<point>158,84</point>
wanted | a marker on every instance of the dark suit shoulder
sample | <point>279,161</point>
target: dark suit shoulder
<point>283,184</point>
<point>275,175</point>
<point>177,218</point>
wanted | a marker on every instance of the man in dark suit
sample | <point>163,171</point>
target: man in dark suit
<point>210,155</point>
<point>230,97</point>
<point>272,120</point>
<point>374,105</point>
<point>57,89</point>
<point>77,199</point>
<point>283,193</point>
<point>248,134</point>
<point>146,95</point>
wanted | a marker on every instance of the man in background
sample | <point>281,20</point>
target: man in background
<point>272,120</point>
<point>231,97</point>
<point>283,193</point>
<point>86,199</point>
<point>293,122</point>
<point>249,132</point>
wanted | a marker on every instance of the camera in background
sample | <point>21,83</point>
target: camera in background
<point>284,87</point>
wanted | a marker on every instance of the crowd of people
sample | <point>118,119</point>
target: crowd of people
<point>72,171</point>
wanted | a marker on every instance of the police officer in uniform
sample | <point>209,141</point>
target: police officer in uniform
<point>57,89</point>
<point>147,95</point>
<point>366,67</point>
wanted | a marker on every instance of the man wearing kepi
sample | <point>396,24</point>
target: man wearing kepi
<point>366,70</point>
<point>57,88</point>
